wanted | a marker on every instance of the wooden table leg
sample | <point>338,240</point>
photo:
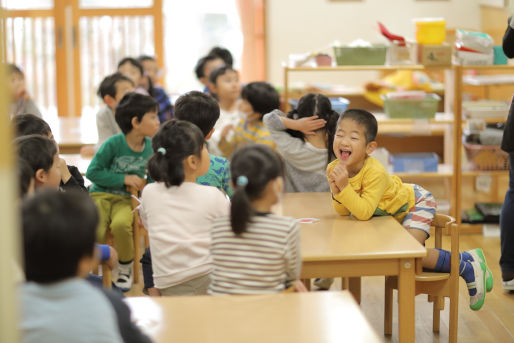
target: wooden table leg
<point>354,285</point>
<point>406,309</point>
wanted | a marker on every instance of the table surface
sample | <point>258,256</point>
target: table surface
<point>290,317</point>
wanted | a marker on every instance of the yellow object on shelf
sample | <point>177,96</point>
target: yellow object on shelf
<point>430,30</point>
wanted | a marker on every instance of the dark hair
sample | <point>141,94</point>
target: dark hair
<point>59,229</point>
<point>108,84</point>
<point>29,124</point>
<point>179,139</point>
<point>364,118</point>
<point>259,164</point>
<point>37,150</point>
<point>198,108</point>
<point>14,69</point>
<point>262,97</point>
<point>143,58</point>
<point>316,105</point>
<point>200,65</point>
<point>133,105</point>
<point>222,70</point>
<point>139,66</point>
<point>25,176</point>
<point>222,53</point>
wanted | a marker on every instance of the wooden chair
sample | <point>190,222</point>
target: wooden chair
<point>138,230</point>
<point>106,276</point>
<point>436,285</point>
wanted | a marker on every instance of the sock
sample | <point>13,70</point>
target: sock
<point>466,256</point>
<point>465,268</point>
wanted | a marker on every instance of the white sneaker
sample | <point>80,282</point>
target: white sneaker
<point>476,301</point>
<point>323,283</point>
<point>508,285</point>
<point>124,281</point>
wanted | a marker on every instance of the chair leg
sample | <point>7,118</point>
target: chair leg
<point>436,316</point>
<point>106,276</point>
<point>454,319</point>
<point>137,255</point>
<point>388,307</point>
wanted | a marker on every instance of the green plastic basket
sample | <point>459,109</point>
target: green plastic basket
<point>412,108</point>
<point>375,55</point>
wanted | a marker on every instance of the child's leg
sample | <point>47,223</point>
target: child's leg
<point>146,264</point>
<point>121,228</point>
<point>103,203</point>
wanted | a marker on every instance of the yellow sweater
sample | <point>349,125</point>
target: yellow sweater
<point>373,192</point>
<point>245,134</point>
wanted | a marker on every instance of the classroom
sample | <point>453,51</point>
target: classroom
<point>257,171</point>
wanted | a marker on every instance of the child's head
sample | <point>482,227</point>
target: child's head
<point>316,105</point>
<point>257,173</point>
<point>355,137</point>
<point>114,87</point>
<point>59,232</point>
<point>205,66</point>
<point>224,83</point>
<point>180,153</point>
<point>131,68</point>
<point>259,98</point>
<point>137,111</point>
<point>41,154</point>
<point>29,124</point>
<point>150,67</point>
<point>200,109</point>
<point>222,53</point>
<point>25,178</point>
<point>16,81</point>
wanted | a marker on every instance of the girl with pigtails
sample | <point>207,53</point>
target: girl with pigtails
<point>178,212</point>
<point>254,251</point>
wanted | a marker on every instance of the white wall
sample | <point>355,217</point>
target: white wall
<point>297,26</point>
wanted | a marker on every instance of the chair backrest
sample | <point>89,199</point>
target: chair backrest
<point>444,222</point>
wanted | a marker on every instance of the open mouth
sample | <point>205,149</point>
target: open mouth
<point>345,154</point>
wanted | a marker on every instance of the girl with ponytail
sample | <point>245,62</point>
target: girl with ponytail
<point>304,138</point>
<point>177,212</point>
<point>254,251</point>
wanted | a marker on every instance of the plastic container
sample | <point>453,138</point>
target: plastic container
<point>485,109</point>
<point>486,157</point>
<point>411,108</point>
<point>414,162</point>
<point>338,104</point>
<point>374,55</point>
<point>399,55</point>
<point>430,30</point>
<point>499,55</point>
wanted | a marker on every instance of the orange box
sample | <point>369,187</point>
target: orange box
<point>435,55</point>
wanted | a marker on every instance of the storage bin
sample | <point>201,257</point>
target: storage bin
<point>375,55</point>
<point>430,30</point>
<point>411,108</point>
<point>406,54</point>
<point>414,162</point>
<point>338,104</point>
<point>486,157</point>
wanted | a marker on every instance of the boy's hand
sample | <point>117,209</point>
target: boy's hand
<point>339,176</point>
<point>63,168</point>
<point>331,182</point>
<point>308,125</point>
<point>134,181</point>
<point>299,286</point>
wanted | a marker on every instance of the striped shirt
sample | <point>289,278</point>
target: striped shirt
<point>245,134</point>
<point>261,260</point>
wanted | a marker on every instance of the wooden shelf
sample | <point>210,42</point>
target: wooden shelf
<point>484,172</point>
<point>443,171</point>
<point>366,67</point>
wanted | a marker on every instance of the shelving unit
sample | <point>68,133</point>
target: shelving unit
<point>450,124</point>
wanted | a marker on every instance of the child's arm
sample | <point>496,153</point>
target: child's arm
<point>362,206</point>
<point>293,254</point>
<point>227,146</point>
<point>225,179</point>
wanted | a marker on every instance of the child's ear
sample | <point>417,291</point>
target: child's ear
<point>212,87</point>
<point>191,162</point>
<point>209,134</point>
<point>40,176</point>
<point>135,122</point>
<point>109,101</point>
<point>371,147</point>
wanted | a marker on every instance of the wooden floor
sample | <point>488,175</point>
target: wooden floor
<point>493,323</point>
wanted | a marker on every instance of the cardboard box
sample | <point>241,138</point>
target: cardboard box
<point>435,55</point>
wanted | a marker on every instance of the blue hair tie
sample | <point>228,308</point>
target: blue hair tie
<point>242,181</point>
<point>162,151</point>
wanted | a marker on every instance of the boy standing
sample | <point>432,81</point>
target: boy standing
<point>119,163</point>
<point>57,305</point>
<point>361,186</point>
<point>111,90</point>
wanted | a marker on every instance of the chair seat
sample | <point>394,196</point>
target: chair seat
<point>428,276</point>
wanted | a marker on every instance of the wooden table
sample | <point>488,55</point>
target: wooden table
<point>292,317</point>
<point>72,133</point>
<point>338,246</point>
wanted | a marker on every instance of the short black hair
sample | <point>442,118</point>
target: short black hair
<point>222,53</point>
<point>198,108</point>
<point>59,229</point>
<point>200,65</point>
<point>25,176</point>
<point>29,124</point>
<point>133,105</point>
<point>262,96</point>
<point>222,70</point>
<point>108,84</point>
<point>14,69</point>
<point>132,61</point>
<point>143,58</point>
<point>364,118</point>
<point>37,150</point>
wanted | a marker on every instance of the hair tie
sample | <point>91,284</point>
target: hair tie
<point>242,181</point>
<point>162,151</point>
